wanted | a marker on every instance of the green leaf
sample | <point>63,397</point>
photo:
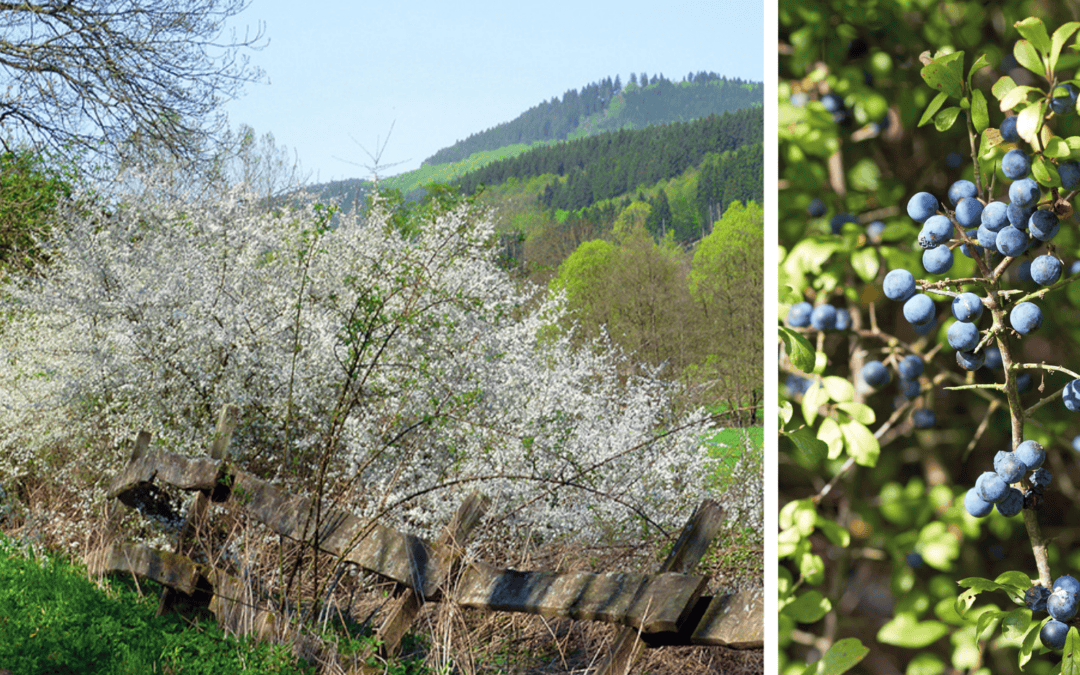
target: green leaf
<point>979,64</point>
<point>836,534</point>
<point>946,74</point>
<point>1027,56</point>
<point>829,433</point>
<point>975,585</point>
<point>841,657</point>
<point>1033,29</point>
<point>907,631</point>
<point>799,349</point>
<point>1057,148</point>
<point>1003,86</point>
<point>865,263</point>
<point>1029,121</point>
<point>925,664</point>
<point>840,390</point>
<point>944,120</point>
<point>809,451</point>
<point>980,116</point>
<point>786,412</point>
<point>1014,580</point>
<point>1070,655</point>
<point>1029,642</point>
<point>1040,170</point>
<point>812,568</point>
<point>1016,623</point>
<point>861,443</point>
<point>932,109</point>
<point>1015,97</point>
<point>860,412</point>
<point>809,607</point>
<point>814,398</point>
<point>985,619</point>
<point>1061,36</point>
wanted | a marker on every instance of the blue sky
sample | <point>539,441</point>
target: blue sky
<point>340,73</point>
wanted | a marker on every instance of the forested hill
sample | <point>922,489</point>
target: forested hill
<point>608,105</point>
<point>614,163</point>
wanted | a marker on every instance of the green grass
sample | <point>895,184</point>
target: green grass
<point>53,619</point>
<point>444,173</point>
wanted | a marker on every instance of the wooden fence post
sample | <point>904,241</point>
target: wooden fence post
<point>696,536</point>
<point>448,549</point>
<point>219,450</point>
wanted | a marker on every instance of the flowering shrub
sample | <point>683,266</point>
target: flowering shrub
<point>396,367</point>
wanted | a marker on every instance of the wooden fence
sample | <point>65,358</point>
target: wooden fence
<point>663,608</point>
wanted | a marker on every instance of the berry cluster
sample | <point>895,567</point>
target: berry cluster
<point>994,487</point>
<point>1061,602</point>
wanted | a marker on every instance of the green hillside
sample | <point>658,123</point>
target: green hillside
<point>599,107</point>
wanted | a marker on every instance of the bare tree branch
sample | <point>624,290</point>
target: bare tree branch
<point>109,77</point>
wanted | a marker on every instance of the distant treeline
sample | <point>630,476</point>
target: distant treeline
<point>614,163</point>
<point>644,101</point>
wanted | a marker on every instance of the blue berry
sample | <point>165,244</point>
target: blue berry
<point>1045,270</point>
<point>797,385</point>
<point>924,418</point>
<point>1054,634</point>
<point>816,208</point>
<point>1041,478</point>
<point>832,102</point>
<point>976,505</point>
<point>909,388</point>
<point>1008,130</point>
<point>1043,225</point>
<point>1070,175</point>
<point>1035,598</point>
<point>1032,454</point>
<point>970,360</point>
<point>935,231</point>
<point>1010,467</point>
<point>910,367</point>
<point>899,285</point>
<point>875,374</point>
<point>969,212</point>
<point>1025,317</point>
<point>995,216</point>
<point>1015,164</point>
<point>823,317</point>
<point>1018,215</point>
<point>937,260</point>
<point>836,223</point>
<point>799,314</point>
<point>1068,584</point>
<point>1061,605</point>
<point>967,307</point>
<point>963,336</point>
<point>919,309</point>
<point>993,357</point>
<point>921,206</point>
<point>1071,395</point>
<point>1064,99</point>
<point>1024,192</point>
<point>960,190</point>
<point>991,487</point>
<point>874,230</point>
<point>1011,241</point>
<point>843,319</point>
<point>1012,504</point>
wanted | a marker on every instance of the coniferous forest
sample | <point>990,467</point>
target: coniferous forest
<point>643,102</point>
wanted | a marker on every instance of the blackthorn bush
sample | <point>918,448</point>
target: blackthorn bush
<point>965,458</point>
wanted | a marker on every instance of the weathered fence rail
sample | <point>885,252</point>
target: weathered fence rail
<point>665,608</point>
